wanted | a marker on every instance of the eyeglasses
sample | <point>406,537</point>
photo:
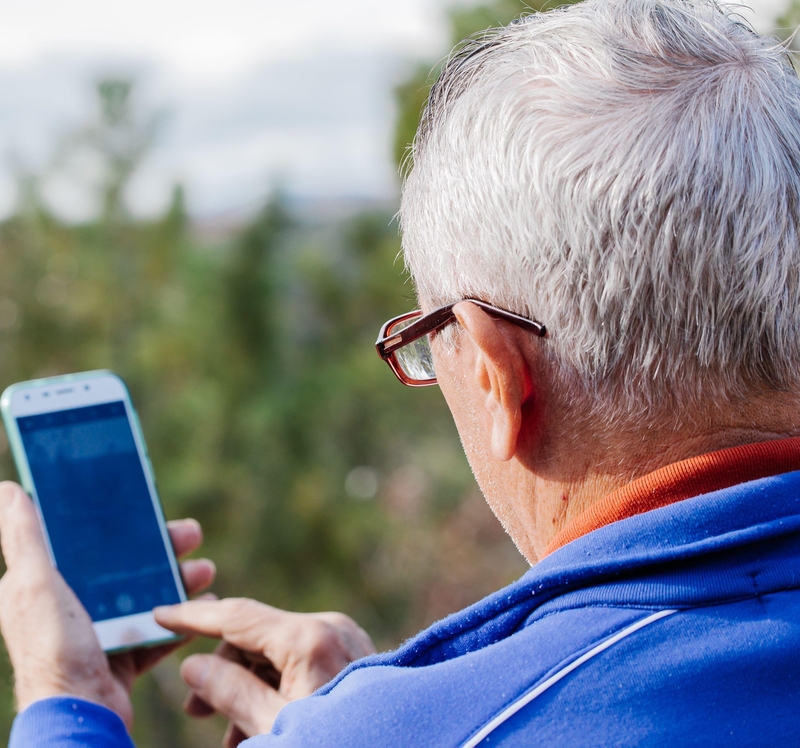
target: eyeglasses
<point>404,341</point>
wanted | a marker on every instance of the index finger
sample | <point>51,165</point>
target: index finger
<point>20,534</point>
<point>247,624</point>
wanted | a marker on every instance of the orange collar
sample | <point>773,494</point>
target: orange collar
<point>683,480</point>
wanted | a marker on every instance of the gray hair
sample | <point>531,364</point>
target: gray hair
<point>628,173</point>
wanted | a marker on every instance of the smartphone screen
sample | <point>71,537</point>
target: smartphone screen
<point>91,481</point>
<point>96,505</point>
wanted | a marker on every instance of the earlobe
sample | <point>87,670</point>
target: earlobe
<point>502,374</point>
<point>505,431</point>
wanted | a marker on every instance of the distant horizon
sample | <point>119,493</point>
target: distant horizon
<point>319,128</point>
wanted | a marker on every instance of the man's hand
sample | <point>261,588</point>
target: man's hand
<point>49,636</point>
<point>267,658</point>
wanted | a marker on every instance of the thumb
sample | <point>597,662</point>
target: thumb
<point>20,534</point>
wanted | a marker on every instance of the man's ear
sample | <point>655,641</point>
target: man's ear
<point>501,372</point>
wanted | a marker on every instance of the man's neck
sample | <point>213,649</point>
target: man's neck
<point>558,489</point>
<point>685,479</point>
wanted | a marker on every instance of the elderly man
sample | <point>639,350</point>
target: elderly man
<point>627,174</point>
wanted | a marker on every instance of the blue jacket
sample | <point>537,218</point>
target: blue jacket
<point>680,626</point>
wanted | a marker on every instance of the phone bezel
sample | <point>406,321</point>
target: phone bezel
<point>54,394</point>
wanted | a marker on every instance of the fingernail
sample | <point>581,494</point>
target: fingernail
<point>194,670</point>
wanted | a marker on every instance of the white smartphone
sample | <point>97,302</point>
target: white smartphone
<point>80,454</point>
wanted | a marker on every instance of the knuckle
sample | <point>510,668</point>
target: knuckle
<point>229,609</point>
<point>24,605</point>
<point>341,621</point>
<point>23,593</point>
<point>321,640</point>
<point>243,611</point>
<point>351,635</point>
<point>229,696</point>
<point>237,605</point>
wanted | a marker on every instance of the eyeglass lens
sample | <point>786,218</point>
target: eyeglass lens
<point>415,359</point>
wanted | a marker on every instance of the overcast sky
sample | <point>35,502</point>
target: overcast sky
<point>250,91</point>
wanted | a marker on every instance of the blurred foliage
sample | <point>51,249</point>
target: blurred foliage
<point>465,21</point>
<point>321,482</point>
<point>787,26</point>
